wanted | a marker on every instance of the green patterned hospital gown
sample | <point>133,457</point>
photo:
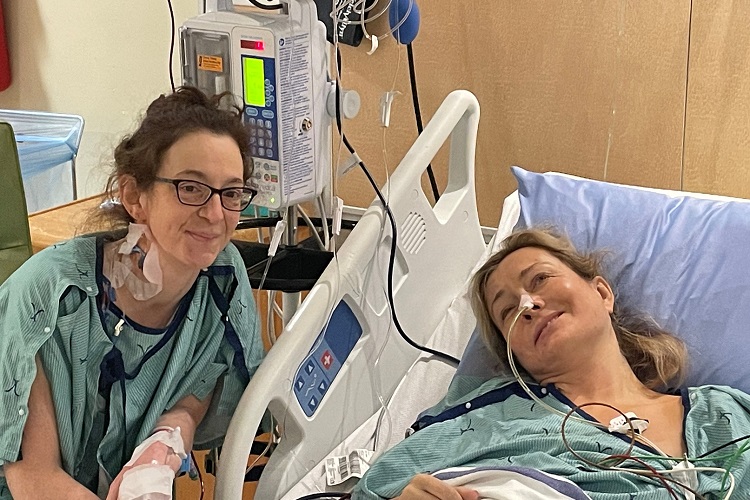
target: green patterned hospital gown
<point>502,426</point>
<point>53,306</point>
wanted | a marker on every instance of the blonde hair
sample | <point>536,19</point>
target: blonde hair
<point>658,358</point>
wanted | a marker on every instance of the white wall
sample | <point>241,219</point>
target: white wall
<point>102,59</point>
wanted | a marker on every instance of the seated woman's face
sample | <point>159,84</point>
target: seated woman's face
<point>570,314</point>
<point>192,236</point>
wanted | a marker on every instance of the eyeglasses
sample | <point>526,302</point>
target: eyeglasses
<point>196,194</point>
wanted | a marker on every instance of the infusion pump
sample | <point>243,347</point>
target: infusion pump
<point>276,65</point>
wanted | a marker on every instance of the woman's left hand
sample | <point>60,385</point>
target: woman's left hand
<point>427,487</point>
<point>157,453</point>
<point>182,419</point>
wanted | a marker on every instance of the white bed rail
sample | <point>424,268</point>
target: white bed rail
<point>437,248</point>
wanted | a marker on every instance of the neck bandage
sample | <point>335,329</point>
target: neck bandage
<point>148,282</point>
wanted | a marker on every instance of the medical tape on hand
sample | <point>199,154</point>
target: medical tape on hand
<point>171,438</point>
<point>152,482</point>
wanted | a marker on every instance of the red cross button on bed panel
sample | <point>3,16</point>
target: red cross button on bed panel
<point>327,359</point>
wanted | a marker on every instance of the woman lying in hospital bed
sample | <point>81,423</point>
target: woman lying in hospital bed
<point>594,419</point>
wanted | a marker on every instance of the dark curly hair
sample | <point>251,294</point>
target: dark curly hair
<point>168,118</point>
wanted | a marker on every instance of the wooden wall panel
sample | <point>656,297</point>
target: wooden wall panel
<point>717,146</point>
<point>590,88</point>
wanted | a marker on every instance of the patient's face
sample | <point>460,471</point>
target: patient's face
<point>570,314</point>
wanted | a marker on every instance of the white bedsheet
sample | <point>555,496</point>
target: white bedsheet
<point>512,483</point>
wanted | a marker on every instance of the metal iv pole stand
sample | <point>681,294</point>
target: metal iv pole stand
<point>290,301</point>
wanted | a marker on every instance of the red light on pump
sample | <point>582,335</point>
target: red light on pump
<point>252,44</point>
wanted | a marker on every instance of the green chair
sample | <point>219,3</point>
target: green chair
<point>15,239</point>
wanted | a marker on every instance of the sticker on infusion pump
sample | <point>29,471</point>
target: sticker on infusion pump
<point>211,63</point>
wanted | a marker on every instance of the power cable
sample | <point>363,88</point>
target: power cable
<point>266,6</point>
<point>171,45</point>
<point>392,219</point>
<point>418,115</point>
<point>327,495</point>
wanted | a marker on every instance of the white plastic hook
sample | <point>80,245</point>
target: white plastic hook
<point>373,45</point>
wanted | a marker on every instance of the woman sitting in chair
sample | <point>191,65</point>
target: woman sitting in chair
<point>123,350</point>
<point>593,421</point>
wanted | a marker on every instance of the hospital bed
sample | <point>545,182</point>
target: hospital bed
<point>343,335</point>
<point>341,378</point>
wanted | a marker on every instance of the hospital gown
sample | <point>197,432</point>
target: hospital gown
<point>499,425</point>
<point>53,306</point>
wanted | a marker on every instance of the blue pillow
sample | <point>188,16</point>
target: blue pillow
<point>680,258</point>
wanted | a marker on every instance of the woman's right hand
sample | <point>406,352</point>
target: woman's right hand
<point>424,486</point>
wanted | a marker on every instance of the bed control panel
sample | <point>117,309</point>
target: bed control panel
<point>318,370</point>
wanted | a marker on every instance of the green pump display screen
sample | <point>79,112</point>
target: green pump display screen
<point>254,77</point>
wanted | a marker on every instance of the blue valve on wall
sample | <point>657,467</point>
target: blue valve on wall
<point>403,17</point>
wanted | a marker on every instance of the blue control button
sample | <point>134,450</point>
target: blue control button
<point>268,124</point>
<point>251,112</point>
<point>322,387</point>
<point>267,113</point>
<point>269,153</point>
<point>313,403</point>
<point>300,384</point>
<point>310,367</point>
